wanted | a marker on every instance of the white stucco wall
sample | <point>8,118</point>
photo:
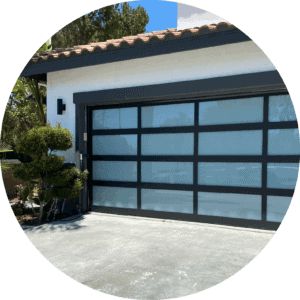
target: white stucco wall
<point>233,59</point>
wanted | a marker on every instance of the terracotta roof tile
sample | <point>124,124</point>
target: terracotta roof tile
<point>115,44</point>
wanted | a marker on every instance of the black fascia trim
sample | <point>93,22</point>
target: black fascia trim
<point>154,49</point>
<point>184,89</point>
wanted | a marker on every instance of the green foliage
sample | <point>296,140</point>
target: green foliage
<point>25,172</point>
<point>69,191</point>
<point>37,168</point>
<point>24,193</point>
<point>23,114</point>
<point>46,47</point>
<point>118,21</point>
<point>46,176</point>
<point>111,22</point>
<point>67,182</point>
<point>19,209</point>
<point>4,166</point>
<point>39,141</point>
<point>20,115</point>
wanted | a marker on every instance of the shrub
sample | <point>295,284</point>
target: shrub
<point>19,209</point>
<point>46,174</point>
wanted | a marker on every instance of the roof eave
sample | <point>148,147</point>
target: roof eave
<point>140,50</point>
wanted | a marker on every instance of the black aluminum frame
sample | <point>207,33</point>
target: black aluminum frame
<point>264,159</point>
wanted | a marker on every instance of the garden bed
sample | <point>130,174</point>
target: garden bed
<point>28,218</point>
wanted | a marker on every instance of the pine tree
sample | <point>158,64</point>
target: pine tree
<point>111,22</point>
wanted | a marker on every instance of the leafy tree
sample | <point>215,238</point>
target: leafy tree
<point>43,172</point>
<point>22,114</point>
<point>25,109</point>
<point>110,22</point>
<point>46,47</point>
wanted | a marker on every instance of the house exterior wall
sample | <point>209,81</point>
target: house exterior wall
<point>219,61</point>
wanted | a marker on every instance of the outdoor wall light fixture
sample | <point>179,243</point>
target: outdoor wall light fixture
<point>60,106</point>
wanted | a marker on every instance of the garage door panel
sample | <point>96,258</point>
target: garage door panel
<point>172,115</point>
<point>230,205</point>
<point>282,175</point>
<point>121,197</point>
<point>168,144</point>
<point>283,142</point>
<point>167,172</point>
<point>167,200</point>
<point>281,109</point>
<point>231,111</point>
<point>117,118</point>
<point>230,143</point>
<point>277,208</point>
<point>115,171</point>
<point>115,144</point>
<point>230,174</point>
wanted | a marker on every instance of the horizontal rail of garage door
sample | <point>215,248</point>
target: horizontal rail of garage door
<point>267,161</point>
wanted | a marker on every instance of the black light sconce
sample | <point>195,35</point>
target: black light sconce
<point>60,106</point>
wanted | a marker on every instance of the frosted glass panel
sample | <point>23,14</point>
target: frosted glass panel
<point>281,109</point>
<point>167,172</point>
<point>114,197</point>
<point>230,174</point>
<point>277,208</point>
<point>115,170</point>
<point>168,144</point>
<point>168,115</point>
<point>283,141</point>
<point>117,118</point>
<point>165,200</point>
<point>231,111</point>
<point>230,205</point>
<point>282,175</point>
<point>230,143</point>
<point>115,144</point>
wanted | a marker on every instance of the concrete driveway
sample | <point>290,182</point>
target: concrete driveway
<point>142,258</point>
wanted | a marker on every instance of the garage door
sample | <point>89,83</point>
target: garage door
<point>232,161</point>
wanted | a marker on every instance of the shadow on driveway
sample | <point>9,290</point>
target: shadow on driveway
<point>56,226</point>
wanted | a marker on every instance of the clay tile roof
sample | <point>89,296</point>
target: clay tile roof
<point>128,41</point>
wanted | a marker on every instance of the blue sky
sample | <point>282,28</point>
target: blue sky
<point>162,14</point>
<point>166,14</point>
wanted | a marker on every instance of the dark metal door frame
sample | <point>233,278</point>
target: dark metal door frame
<point>264,159</point>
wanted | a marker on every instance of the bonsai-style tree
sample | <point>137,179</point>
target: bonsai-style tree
<point>45,167</point>
<point>66,183</point>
